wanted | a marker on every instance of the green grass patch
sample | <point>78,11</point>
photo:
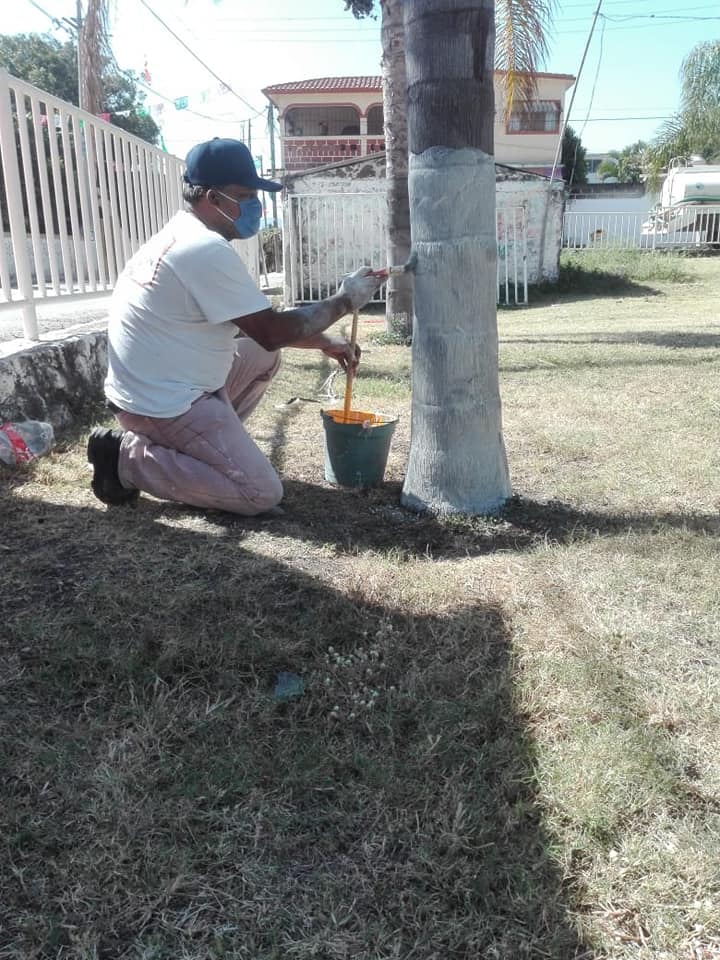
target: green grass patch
<point>609,270</point>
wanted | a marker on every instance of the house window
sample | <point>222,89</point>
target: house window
<point>542,116</point>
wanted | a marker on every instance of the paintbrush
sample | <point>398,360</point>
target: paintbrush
<point>408,267</point>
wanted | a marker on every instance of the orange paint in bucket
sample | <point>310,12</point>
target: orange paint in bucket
<point>356,446</point>
<point>357,416</point>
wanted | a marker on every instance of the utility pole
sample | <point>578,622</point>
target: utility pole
<point>271,132</point>
<point>249,139</point>
<point>563,127</point>
<point>566,118</point>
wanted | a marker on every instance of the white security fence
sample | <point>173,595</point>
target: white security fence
<point>328,235</point>
<point>511,231</point>
<point>77,196</point>
<point>685,226</point>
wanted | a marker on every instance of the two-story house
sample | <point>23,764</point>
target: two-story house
<point>329,119</point>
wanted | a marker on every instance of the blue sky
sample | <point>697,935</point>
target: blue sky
<point>629,82</point>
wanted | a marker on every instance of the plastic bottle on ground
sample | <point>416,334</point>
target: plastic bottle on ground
<point>24,441</point>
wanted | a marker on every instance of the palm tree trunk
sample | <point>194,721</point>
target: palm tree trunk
<point>399,304</point>
<point>457,456</point>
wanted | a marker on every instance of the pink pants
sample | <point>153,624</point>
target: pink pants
<point>205,456</point>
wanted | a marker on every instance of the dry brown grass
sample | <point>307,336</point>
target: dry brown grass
<point>511,748</point>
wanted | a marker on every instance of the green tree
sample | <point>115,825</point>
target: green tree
<point>573,158</point>
<point>51,65</point>
<point>626,165</point>
<point>695,129</point>
<point>631,161</point>
<point>42,61</point>
<point>126,106</point>
<point>608,169</point>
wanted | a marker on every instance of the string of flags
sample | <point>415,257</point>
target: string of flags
<point>185,102</point>
<point>201,98</point>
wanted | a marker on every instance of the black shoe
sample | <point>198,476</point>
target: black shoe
<point>103,452</point>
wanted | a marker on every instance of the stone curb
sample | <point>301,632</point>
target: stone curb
<point>59,381</point>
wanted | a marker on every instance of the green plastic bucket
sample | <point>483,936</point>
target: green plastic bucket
<point>356,452</point>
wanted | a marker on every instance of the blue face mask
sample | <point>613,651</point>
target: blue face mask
<point>248,223</point>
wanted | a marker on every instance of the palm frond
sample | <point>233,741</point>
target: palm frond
<point>671,141</point>
<point>521,31</point>
<point>361,8</point>
<point>700,75</point>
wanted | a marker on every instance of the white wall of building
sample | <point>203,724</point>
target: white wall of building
<point>337,235</point>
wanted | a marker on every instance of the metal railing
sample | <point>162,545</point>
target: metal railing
<point>512,255</point>
<point>683,226</point>
<point>78,197</point>
<point>328,235</point>
<point>302,153</point>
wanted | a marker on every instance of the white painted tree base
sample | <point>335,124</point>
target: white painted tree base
<point>457,460</point>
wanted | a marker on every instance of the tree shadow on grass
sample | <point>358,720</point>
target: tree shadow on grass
<point>653,338</point>
<point>597,362</point>
<point>588,286</point>
<point>353,520</point>
<point>158,798</point>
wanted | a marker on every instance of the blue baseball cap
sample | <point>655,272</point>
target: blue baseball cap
<point>221,161</point>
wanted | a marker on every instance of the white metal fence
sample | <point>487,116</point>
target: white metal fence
<point>77,196</point>
<point>512,254</point>
<point>684,226</point>
<point>328,235</point>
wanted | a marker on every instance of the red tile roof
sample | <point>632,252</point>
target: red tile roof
<point>327,83</point>
<point>357,84</point>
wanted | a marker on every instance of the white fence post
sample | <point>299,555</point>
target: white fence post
<point>326,235</point>
<point>81,196</point>
<point>684,226</point>
<point>16,214</point>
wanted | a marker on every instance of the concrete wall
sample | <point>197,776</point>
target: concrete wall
<point>612,204</point>
<point>544,208</point>
<point>337,236</point>
<point>608,219</point>
<point>59,382</point>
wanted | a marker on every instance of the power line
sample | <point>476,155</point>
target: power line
<point>54,20</point>
<point>621,119</point>
<point>592,97</point>
<point>274,28</point>
<point>346,17</point>
<point>566,118</point>
<point>676,18</point>
<point>132,76</point>
<point>169,29</point>
<point>156,93</point>
<point>595,79</point>
<point>266,36</point>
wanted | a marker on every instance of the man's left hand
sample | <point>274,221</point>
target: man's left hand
<point>341,350</point>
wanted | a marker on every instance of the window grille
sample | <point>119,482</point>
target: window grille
<point>543,116</point>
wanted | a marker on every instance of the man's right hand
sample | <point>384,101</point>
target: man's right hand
<point>360,287</point>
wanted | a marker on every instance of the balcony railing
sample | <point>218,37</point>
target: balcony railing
<point>301,153</point>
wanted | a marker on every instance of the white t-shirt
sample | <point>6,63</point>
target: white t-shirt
<point>170,331</point>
